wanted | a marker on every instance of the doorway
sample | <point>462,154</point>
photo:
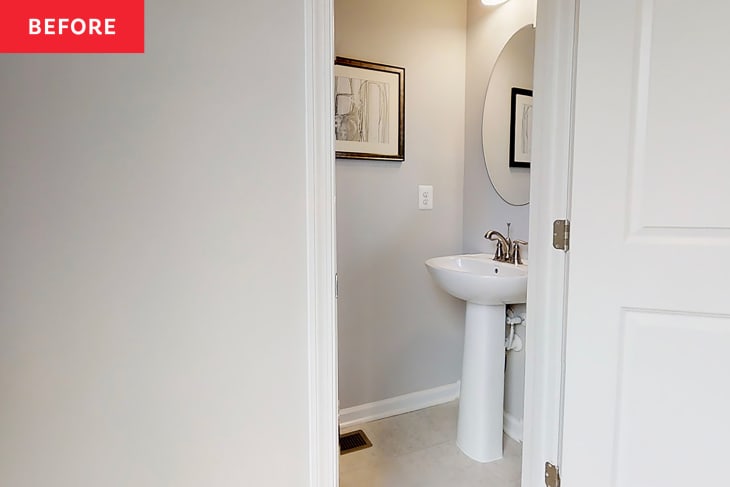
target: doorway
<point>542,409</point>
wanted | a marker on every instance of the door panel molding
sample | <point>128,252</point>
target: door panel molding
<point>648,320</point>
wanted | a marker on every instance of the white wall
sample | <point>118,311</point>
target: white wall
<point>399,333</point>
<point>488,30</point>
<point>153,223</point>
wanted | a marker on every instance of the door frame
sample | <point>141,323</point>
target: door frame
<point>550,185</point>
<point>321,243</point>
<point>550,189</point>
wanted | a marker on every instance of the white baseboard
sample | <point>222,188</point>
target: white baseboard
<point>400,405</point>
<point>413,402</point>
<point>512,427</point>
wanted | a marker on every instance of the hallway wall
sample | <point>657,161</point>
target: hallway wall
<point>153,217</point>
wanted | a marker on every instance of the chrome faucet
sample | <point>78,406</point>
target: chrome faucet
<point>507,250</point>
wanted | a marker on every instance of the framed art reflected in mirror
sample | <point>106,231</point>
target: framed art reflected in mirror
<point>520,128</point>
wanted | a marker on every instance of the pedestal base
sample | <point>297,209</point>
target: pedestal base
<point>479,431</point>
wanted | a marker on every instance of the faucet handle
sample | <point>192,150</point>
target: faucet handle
<point>516,257</point>
<point>499,252</point>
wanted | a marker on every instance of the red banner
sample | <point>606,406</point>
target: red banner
<point>72,26</point>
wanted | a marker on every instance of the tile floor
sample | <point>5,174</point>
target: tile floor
<point>419,449</point>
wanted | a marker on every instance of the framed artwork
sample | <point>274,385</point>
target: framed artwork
<point>520,128</point>
<point>369,110</point>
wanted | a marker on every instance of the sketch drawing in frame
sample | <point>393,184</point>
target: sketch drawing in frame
<point>520,128</point>
<point>369,110</point>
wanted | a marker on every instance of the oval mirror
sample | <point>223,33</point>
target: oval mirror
<point>507,119</point>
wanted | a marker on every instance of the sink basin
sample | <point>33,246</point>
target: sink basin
<point>478,279</point>
<point>487,287</point>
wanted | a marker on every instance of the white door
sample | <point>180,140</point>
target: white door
<point>647,385</point>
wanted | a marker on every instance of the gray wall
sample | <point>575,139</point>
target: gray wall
<point>489,29</point>
<point>398,333</point>
<point>152,221</point>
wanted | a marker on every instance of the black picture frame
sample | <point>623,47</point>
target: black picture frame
<point>364,89</point>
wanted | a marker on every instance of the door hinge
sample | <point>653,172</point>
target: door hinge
<point>561,234</point>
<point>552,475</point>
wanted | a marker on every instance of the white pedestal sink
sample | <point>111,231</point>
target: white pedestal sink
<point>486,286</point>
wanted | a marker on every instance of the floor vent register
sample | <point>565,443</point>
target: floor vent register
<point>354,441</point>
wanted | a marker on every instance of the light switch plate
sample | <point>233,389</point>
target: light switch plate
<point>425,197</point>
